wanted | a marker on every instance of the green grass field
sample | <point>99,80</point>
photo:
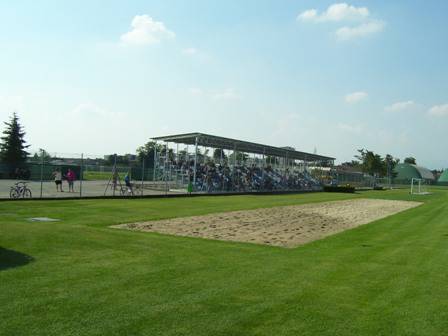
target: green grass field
<point>102,176</point>
<point>80,277</point>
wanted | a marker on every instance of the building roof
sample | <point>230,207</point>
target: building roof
<point>406,171</point>
<point>444,177</point>
<point>425,173</point>
<point>214,141</point>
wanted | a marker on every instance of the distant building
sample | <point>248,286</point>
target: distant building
<point>406,172</point>
<point>443,179</point>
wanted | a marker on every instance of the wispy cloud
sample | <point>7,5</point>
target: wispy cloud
<point>355,97</point>
<point>353,129</point>
<point>349,33</point>
<point>89,108</point>
<point>92,110</point>
<point>227,94</point>
<point>190,51</point>
<point>196,54</point>
<point>194,91</point>
<point>439,111</point>
<point>218,95</point>
<point>336,13</point>
<point>400,106</point>
<point>145,30</point>
<point>359,17</point>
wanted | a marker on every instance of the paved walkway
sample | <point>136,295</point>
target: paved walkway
<point>89,189</point>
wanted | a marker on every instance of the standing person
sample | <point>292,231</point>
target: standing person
<point>190,182</point>
<point>71,177</point>
<point>127,182</point>
<point>57,174</point>
<point>209,182</point>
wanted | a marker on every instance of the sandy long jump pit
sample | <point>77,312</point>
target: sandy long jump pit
<point>286,226</point>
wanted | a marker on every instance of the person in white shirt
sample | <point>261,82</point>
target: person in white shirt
<point>58,179</point>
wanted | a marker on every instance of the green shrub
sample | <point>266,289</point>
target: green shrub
<point>343,189</point>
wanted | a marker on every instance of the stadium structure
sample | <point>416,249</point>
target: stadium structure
<point>209,163</point>
<point>406,172</point>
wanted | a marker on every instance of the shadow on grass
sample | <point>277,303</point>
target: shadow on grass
<point>11,259</point>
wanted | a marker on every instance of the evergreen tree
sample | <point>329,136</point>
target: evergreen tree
<point>13,145</point>
<point>218,153</point>
<point>410,160</point>
<point>375,165</point>
<point>146,152</point>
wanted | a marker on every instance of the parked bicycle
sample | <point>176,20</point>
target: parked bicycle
<point>20,190</point>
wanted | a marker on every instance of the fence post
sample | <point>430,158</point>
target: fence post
<point>115,175</point>
<point>81,175</point>
<point>154,163</point>
<point>41,172</point>
<point>195,162</point>
<point>143,171</point>
<point>165,166</point>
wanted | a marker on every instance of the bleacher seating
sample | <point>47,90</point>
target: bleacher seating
<point>214,177</point>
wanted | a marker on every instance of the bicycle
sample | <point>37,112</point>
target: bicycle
<point>20,190</point>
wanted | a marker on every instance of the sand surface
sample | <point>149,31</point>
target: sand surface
<point>286,226</point>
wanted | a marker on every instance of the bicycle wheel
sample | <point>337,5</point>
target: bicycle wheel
<point>13,193</point>
<point>27,193</point>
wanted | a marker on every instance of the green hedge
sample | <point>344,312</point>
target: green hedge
<point>342,189</point>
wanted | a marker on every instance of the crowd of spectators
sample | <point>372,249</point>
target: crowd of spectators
<point>217,177</point>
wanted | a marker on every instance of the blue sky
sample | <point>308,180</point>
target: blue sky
<point>105,76</point>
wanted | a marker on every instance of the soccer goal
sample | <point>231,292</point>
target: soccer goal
<point>419,187</point>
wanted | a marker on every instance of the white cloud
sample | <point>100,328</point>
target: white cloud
<point>190,51</point>
<point>343,12</point>
<point>348,33</point>
<point>145,30</point>
<point>400,106</point>
<point>221,95</point>
<point>439,111</point>
<point>90,109</point>
<point>197,54</point>
<point>194,91</point>
<point>335,13</point>
<point>308,15</point>
<point>355,97</point>
<point>227,94</point>
<point>354,129</point>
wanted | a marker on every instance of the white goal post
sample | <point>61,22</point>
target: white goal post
<point>418,187</point>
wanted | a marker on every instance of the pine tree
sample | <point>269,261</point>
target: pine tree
<point>13,145</point>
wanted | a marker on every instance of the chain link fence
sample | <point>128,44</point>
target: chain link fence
<point>69,175</point>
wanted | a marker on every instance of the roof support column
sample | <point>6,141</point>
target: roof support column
<point>264,159</point>
<point>154,166</point>
<point>167,169</point>
<point>234,156</point>
<point>195,160</point>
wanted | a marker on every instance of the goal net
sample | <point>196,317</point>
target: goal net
<point>419,187</point>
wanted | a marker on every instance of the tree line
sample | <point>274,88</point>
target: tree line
<point>374,164</point>
<point>13,151</point>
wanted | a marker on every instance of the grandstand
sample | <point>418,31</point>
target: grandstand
<point>233,165</point>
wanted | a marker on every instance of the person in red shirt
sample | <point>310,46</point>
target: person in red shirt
<point>71,177</point>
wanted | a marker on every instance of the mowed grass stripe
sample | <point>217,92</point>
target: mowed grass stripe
<point>387,277</point>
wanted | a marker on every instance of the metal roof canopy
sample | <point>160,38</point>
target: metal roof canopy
<point>207,140</point>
